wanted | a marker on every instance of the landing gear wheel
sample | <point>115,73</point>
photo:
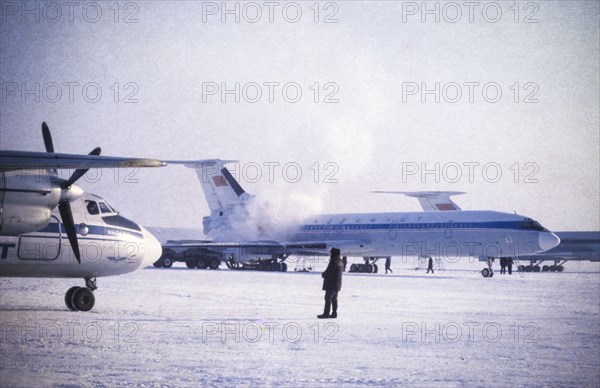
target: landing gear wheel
<point>353,268</point>
<point>536,268</point>
<point>167,262</point>
<point>201,263</point>
<point>69,297</point>
<point>560,268</point>
<point>486,272</point>
<point>360,268</point>
<point>83,299</point>
<point>214,264</point>
<point>368,268</point>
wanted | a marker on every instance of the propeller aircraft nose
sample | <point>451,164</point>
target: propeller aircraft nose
<point>152,249</point>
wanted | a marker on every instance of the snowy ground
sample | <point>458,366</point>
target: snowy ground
<point>181,327</point>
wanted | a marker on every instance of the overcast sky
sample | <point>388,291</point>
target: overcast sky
<point>345,89</point>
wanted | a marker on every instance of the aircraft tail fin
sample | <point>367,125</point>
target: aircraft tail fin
<point>226,198</point>
<point>431,201</point>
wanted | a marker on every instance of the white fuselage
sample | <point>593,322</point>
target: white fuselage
<point>478,234</point>
<point>109,245</point>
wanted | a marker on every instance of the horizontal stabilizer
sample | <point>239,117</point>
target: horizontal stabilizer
<point>431,201</point>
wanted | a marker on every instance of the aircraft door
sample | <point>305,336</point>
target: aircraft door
<point>2,192</point>
<point>393,231</point>
<point>448,230</point>
<point>41,246</point>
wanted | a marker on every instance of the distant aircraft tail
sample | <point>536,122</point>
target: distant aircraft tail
<point>431,201</point>
<point>226,199</point>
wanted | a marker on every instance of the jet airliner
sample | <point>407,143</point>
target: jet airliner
<point>482,234</point>
<point>574,245</point>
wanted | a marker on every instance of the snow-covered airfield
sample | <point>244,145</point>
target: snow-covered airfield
<point>181,327</point>
<point>390,90</point>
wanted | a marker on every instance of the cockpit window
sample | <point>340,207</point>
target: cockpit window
<point>104,208</point>
<point>92,207</point>
<point>534,225</point>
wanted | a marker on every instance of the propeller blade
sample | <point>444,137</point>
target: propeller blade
<point>81,171</point>
<point>47,138</point>
<point>76,175</point>
<point>67,218</point>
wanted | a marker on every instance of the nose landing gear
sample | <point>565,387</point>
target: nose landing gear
<point>81,298</point>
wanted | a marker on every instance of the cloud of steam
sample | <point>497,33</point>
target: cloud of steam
<point>273,215</point>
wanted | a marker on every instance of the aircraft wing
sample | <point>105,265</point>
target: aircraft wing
<point>251,247</point>
<point>26,160</point>
<point>355,247</point>
<point>576,256</point>
<point>225,244</point>
<point>573,246</point>
<point>306,248</point>
<point>431,201</point>
<point>201,162</point>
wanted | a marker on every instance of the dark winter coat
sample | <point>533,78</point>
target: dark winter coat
<point>332,277</point>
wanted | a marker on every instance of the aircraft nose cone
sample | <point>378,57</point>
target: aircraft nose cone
<point>152,249</point>
<point>72,193</point>
<point>547,241</point>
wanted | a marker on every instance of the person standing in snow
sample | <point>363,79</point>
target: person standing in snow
<point>388,263</point>
<point>503,262</point>
<point>430,265</point>
<point>332,283</point>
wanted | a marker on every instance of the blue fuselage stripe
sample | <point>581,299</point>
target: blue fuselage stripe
<point>517,225</point>
<point>94,231</point>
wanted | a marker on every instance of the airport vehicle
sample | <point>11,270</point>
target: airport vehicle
<point>242,234</point>
<point>190,252</point>
<point>49,227</point>
<point>256,255</point>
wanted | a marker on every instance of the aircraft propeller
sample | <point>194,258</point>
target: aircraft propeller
<point>64,206</point>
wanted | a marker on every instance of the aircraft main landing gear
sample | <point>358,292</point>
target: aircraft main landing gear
<point>81,298</point>
<point>488,272</point>
<point>368,267</point>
